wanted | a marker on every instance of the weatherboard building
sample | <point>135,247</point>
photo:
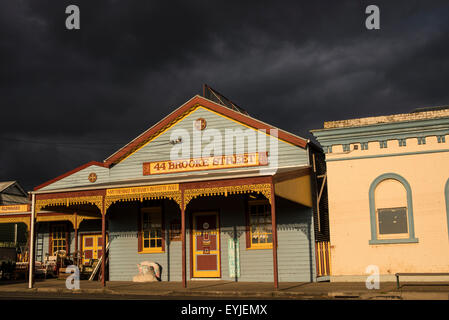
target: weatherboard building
<point>208,193</point>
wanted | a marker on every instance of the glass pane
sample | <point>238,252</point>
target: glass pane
<point>146,243</point>
<point>153,233</point>
<point>158,233</point>
<point>152,243</point>
<point>392,220</point>
<point>269,238</point>
<point>159,243</point>
<point>146,234</point>
<point>254,239</point>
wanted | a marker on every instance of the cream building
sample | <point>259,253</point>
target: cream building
<point>388,186</point>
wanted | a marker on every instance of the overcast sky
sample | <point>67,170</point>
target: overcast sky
<point>71,96</point>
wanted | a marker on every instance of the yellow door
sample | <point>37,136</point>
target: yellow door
<point>206,245</point>
<point>92,247</point>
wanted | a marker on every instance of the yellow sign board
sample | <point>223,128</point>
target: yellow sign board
<point>206,163</point>
<point>141,190</point>
<point>14,208</point>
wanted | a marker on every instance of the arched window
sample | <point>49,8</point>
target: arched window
<point>391,210</point>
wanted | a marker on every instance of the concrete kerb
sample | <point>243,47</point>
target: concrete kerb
<point>335,295</point>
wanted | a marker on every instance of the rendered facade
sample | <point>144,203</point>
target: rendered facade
<point>388,185</point>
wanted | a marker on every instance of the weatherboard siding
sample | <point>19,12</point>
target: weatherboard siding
<point>159,150</point>
<point>80,178</point>
<point>123,255</point>
<point>295,250</point>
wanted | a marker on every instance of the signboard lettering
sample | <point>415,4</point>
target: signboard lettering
<point>207,163</point>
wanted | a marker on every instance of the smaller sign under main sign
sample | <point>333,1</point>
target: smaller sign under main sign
<point>206,163</point>
<point>14,208</point>
<point>142,190</point>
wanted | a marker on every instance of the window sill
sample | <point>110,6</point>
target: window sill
<point>261,248</point>
<point>159,250</point>
<point>393,241</point>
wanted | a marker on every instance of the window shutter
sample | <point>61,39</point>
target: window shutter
<point>139,229</point>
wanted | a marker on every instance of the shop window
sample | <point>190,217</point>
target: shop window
<point>259,231</point>
<point>175,230</point>
<point>59,237</point>
<point>391,210</point>
<point>151,233</point>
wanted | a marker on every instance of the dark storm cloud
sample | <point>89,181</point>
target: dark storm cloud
<point>291,64</point>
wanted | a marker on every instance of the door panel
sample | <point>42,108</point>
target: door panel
<point>92,247</point>
<point>206,245</point>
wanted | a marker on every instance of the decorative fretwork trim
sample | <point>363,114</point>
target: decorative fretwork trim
<point>95,200</point>
<point>173,195</point>
<point>25,220</point>
<point>264,188</point>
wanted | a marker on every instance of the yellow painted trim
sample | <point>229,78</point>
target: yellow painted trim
<point>14,208</point>
<point>25,220</point>
<point>95,245</point>
<point>154,250</point>
<point>260,247</point>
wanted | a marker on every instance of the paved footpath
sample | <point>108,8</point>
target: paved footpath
<point>229,289</point>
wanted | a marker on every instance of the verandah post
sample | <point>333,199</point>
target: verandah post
<point>103,245</point>
<point>183,240</point>
<point>76,239</point>
<point>31,242</point>
<point>274,233</point>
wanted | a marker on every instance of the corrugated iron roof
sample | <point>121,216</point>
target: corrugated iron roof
<point>13,199</point>
<point>5,184</point>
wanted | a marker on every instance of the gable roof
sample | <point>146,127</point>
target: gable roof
<point>5,184</point>
<point>173,117</point>
<point>184,109</point>
<point>7,196</point>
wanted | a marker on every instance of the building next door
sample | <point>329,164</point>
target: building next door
<point>206,245</point>
<point>92,247</point>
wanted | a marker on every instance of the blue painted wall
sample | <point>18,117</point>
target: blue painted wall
<point>295,237</point>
